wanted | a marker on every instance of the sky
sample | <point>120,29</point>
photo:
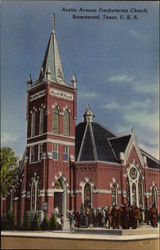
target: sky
<point>115,62</point>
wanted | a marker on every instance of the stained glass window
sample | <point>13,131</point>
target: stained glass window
<point>154,197</point>
<point>55,121</point>
<point>41,121</point>
<point>87,195</point>
<point>66,123</point>
<point>33,123</point>
<point>114,194</point>
<point>140,195</point>
<point>134,200</point>
<point>127,191</point>
<point>34,194</point>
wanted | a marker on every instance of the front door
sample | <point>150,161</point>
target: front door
<point>58,201</point>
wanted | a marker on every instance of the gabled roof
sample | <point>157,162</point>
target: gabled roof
<point>151,161</point>
<point>119,144</point>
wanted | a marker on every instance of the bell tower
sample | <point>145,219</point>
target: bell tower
<point>51,117</point>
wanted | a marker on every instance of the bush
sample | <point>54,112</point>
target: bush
<point>35,223</point>
<point>45,223</point>
<point>26,224</point>
<point>11,220</point>
<point>53,223</point>
<point>4,223</point>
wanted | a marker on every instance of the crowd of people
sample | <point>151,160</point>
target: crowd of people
<point>115,217</point>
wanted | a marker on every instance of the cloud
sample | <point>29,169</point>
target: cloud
<point>142,119</point>
<point>112,106</point>
<point>8,138</point>
<point>137,114</point>
<point>146,88</point>
<point>121,78</point>
<point>128,107</point>
<point>138,86</point>
<point>87,94</point>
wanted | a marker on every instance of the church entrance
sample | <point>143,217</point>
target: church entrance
<point>60,198</point>
<point>58,202</point>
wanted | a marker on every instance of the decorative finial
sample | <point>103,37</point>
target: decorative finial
<point>53,23</point>
<point>29,81</point>
<point>88,115</point>
<point>132,131</point>
<point>74,81</point>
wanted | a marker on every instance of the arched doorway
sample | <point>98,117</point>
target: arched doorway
<point>60,197</point>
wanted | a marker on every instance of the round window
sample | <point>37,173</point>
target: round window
<point>133,173</point>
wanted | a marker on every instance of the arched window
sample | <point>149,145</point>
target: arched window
<point>154,196</point>
<point>34,195</point>
<point>114,194</point>
<point>140,192</point>
<point>66,128</point>
<point>33,123</point>
<point>134,200</point>
<point>87,195</point>
<point>127,191</point>
<point>55,121</point>
<point>41,121</point>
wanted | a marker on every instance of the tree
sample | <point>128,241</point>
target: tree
<point>8,172</point>
<point>35,223</point>
<point>45,223</point>
<point>53,223</point>
<point>26,223</point>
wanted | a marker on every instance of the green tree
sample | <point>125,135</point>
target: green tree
<point>11,220</point>
<point>35,223</point>
<point>53,223</point>
<point>25,224</point>
<point>8,172</point>
<point>45,223</point>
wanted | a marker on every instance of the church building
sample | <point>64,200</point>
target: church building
<point>64,164</point>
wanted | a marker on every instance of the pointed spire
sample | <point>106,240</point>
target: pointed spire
<point>53,23</point>
<point>52,59</point>
<point>88,115</point>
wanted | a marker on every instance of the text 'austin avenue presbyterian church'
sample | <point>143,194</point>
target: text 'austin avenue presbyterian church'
<point>65,165</point>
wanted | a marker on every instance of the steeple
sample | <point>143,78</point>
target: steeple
<point>88,115</point>
<point>52,59</point>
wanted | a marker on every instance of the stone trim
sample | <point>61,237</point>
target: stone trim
<point>67,143</point>
<point>102,191</point>
<point>97,162</point>
<point>82,142</point>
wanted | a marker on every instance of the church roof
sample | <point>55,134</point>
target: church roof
<point>151,161</point>
<point>119,144</point>
<point>52,61</point>
<point>95,143</point>
<point>92,143</point>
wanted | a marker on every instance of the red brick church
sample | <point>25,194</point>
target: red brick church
<point>65,165</point>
